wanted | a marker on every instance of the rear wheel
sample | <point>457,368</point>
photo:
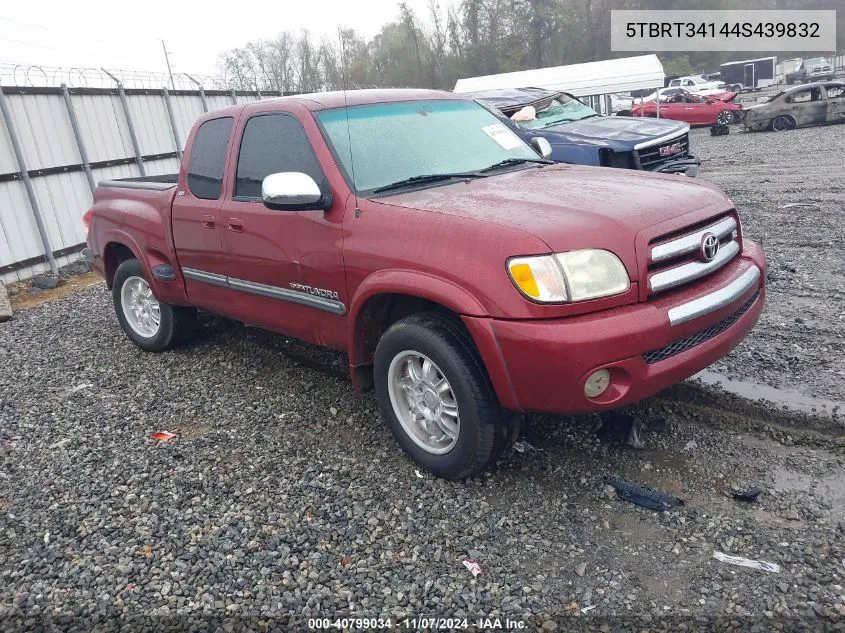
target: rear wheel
<point>782,123</point>
<point>150,324</point>
<point>434,392</point>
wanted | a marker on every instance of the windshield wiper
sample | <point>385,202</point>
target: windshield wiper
<point>428,178</point>
<point>515,161</point>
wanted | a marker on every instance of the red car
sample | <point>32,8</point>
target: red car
<point>694,109</point>
<point>466,277</point>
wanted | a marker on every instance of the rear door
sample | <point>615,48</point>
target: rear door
<point>196,214</point>
<point>835,103</point>
<point>285,267</point>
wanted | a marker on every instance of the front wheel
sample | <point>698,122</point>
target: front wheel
<point>782,123</point>
<point>434,391</point>
<point>150,324</point>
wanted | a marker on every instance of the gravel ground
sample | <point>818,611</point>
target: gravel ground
<point>790,193</point>
<point>283,496</point>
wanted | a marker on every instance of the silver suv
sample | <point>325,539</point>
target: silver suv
<point>816,69</point>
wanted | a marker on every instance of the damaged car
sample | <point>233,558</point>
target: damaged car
<point>668,93</point>
<point>691,108</point>
<point>810,104</point>
<point>580,135</point>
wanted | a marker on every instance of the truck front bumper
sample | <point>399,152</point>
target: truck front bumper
<point>543,365</point>
<point>688,166</point>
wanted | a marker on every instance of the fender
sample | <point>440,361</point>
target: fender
<point>447,294</point>
<point>408,282</point>
<point>172,292</point>
<point>415,284</point>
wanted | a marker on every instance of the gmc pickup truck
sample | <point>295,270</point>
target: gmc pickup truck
<point>466,277</point>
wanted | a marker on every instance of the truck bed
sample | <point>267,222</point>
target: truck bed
<point>154,183</point>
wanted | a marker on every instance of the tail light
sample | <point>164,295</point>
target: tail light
<point>86,220</point>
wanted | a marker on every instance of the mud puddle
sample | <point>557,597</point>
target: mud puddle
<point>782,397</point>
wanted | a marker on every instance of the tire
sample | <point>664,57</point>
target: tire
<point>482,431</point>
<point>176,324</point>
<point>624,113</point>
<point>725,117</point>
<point>782,123</point>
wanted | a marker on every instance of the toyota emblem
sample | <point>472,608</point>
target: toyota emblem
<point>709,247</point>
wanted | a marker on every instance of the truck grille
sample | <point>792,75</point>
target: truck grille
<point>650,158</point>
<point>681,257</point>
<point>698,338</point>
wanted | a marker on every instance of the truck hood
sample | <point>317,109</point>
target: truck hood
<point>571,206</point>
<point>613,130</point>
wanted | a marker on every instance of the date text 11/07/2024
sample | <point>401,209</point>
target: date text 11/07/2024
<point>415,624</point>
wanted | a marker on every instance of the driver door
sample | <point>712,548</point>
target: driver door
<point>285,267</point>
<point>674,108</point>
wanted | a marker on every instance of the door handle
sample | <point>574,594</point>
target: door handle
<point>208,222</point>
<point>236,225</point>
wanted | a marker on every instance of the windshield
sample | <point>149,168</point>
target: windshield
<point>815,62</point>
<point>775,96</point>
<point>396,141</point>
<point>561,109</point>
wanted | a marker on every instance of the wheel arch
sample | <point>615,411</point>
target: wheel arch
<point>121,246</point>
<point>390,295</point>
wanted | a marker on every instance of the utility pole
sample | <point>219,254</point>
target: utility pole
<point>167,59</point>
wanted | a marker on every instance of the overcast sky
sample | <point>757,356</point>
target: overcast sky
<point>94,33</point>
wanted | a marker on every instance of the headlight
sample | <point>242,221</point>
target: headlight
<point>570,276</point>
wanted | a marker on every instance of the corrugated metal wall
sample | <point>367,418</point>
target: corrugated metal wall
<point>51,155</point>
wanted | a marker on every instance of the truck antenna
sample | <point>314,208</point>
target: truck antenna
<point>348,131</point>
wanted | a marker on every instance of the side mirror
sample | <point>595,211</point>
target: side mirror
<point>542,146</point>
<point>293,191</point>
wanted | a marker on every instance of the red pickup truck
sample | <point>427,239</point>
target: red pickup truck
<point>466,277</point>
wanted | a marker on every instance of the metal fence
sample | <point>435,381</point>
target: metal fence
<point>57,143</point>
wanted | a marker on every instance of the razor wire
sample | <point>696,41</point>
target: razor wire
<point>13,74</point>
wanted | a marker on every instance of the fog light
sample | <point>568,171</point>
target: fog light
<point>597,383</point>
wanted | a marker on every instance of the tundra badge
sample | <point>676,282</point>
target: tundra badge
<point>319,292</point>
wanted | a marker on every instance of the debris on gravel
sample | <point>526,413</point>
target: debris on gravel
<point>45,283</point>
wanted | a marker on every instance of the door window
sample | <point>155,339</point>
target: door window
<point>836,92</point>
<point>273,143</point>
<point>805,96</point>
<point>208,158</point>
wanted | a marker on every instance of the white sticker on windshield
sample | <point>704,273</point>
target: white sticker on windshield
<point>502,135</point>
